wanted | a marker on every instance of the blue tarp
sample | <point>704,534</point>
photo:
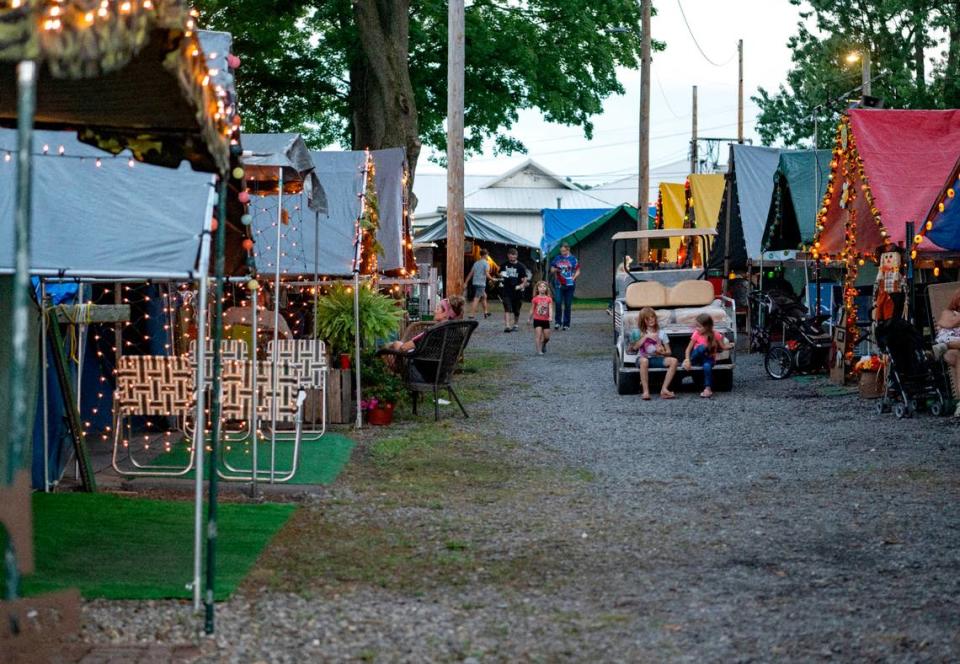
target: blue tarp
<point>946,225</point>
<point>559,223</point>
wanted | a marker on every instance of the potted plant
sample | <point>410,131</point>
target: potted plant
<point>382,390</point>
<point>379,318</point>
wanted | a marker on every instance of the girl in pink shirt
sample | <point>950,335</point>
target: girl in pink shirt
<point>541,313</point>
<point>702,350</point>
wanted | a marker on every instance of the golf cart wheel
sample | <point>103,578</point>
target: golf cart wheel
<point>901,410</point>
<point>627,382</point>
<point>778,362</point>
<point>722,381</point>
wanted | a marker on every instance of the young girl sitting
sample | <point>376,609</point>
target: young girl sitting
<point>541,313</point>
<point>702,350</point>
<point>652,345</point>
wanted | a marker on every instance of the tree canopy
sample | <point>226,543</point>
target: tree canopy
<point>372,73</point>
<point>900,36</point>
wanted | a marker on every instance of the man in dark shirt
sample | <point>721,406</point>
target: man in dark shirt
<point>514,277</point>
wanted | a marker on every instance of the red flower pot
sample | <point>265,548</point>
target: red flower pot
<point>381,416</point>
<point>344,361</point>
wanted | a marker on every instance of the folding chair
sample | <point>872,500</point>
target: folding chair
<point>151,386</point>
<point>231,350</point>
<point>307,359</point>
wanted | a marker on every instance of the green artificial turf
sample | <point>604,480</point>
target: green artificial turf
<point>116,547</point>
<point>591,303</point>
<point>321,461</point>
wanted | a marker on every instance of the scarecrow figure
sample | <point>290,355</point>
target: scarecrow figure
<point>889,290</point>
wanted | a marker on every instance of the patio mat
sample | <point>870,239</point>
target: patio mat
<point>116,547</point>
<point>321,461</point>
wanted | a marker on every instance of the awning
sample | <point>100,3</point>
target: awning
<point>560,222</point>
<point>475,228</point>
<point>96,216</point>
<point>945,223</point>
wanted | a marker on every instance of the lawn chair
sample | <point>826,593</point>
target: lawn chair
<point>938,297</point>
<point>307,359</point>
<point>431,364</point>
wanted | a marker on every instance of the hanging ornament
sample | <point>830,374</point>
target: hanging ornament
<point>253,285</point>
<point>246,219</point>
<point>244,197</point>
<point>247,244</point>
<point>233,61</point>
<point>237,173</point>
<point>214,224</point>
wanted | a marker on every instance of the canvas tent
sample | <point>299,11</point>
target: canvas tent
<point>749,185</point>
<point>671,206</point>
<point>592,247</point>
<point>800,182</point>
<point>888,166</point>
<point>943,220</point>
<point>560,222</point>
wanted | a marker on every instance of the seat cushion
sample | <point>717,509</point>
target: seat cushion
<point>688,315</point>
<point>646,294</point>
<point>691,293</point>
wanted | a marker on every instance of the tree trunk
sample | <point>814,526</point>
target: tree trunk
<point>951,86</point>
<point>382,103</point>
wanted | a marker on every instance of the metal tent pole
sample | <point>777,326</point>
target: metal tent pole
<point>215,403</point>
<point>254,297</point>
<point>44,387</point>
<point>200,426</point>
<point>17,431</point>
<point>276,333</point>
<point>356,341</point>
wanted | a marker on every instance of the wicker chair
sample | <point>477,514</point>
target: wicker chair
<point>430,366</point>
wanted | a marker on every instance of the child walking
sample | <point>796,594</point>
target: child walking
<point>705,343</point>
<point>541,313</point>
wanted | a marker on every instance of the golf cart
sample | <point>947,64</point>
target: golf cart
<point>678,295</point>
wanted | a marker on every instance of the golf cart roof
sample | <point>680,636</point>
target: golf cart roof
<point>664,233</point>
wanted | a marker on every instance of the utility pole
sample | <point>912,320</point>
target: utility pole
<point>643,186</point>
<point>694,156</point>
<point>865,73</point>
<point>455,85</point>
<point>740,94</point>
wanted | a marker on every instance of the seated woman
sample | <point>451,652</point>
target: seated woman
<point>652,346</point>
<point>450,308</point>
<point>947,343</point>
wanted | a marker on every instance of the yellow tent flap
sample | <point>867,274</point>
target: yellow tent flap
<point>706,190</point>
<point>672,209</point>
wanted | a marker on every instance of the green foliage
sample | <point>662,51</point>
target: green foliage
<point>554,55</point>
<point>379,318</point>
<point>380,382</point>
<point>821,80</point>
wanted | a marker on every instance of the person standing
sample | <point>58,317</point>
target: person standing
<point>566,270</point>
<point>541,308</point>
<point>479,275</point>
<point>514,277</point>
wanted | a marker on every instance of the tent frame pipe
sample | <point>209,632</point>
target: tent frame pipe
<point>276,333</point>
<point>26,106</point>
<point>200,429</point>
<point>44,388</point>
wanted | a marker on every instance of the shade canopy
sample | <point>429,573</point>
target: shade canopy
<point>96,216</point>
<point>706,196</point>
<point>475,228</point>
<point>671,209</point>
<point>751,178</point>
<point>128,76</point>
<point>799,185</point>
<point>580,234</point>
<point>906,157</point>
<point>560,222</point>
<point>945,223</point>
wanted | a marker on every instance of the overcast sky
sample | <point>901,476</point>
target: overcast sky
<point>764,25</point>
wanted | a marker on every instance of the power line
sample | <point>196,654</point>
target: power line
<point>667,101</point>
<point>697,44</point>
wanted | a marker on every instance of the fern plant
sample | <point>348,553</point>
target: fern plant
<point>379,318</point>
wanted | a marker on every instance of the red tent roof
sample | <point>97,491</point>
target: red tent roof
<point>906,157</point>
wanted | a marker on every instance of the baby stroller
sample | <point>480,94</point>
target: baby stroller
<point>913,379</point>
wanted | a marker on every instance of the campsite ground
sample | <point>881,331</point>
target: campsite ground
<point>782,521</point>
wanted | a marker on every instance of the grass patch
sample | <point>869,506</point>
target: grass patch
<point>115,547</point>
<point>591,303</point>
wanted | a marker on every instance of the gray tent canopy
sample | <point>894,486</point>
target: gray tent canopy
<point>475,228</point>
<point>751,177</point>
<point>96,216</point>
<point>267,156</point>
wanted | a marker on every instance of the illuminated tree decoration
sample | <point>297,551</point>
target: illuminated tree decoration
<point>370,221</point>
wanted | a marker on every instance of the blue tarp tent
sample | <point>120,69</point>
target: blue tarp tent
<point>559,222</point>
<point>945,231</point>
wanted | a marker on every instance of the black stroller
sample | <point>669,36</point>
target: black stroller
<point>914,381</point>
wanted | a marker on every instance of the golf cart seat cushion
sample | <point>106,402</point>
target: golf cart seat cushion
<point>646,294</point>
<point>691,293</point>
<point>688,315</point>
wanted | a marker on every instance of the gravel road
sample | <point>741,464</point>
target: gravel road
<point>784,521</point>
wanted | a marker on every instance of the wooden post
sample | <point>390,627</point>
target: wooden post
<point>740,93</point>
<point>643,186</point>
<point>693,135</point>
<point>455,207</point>
<point>865,73</point>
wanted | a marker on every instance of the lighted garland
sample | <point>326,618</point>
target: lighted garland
<point>370,221</point>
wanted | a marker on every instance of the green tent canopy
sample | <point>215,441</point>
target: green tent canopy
<point>589,229</point>
<point>799,185</point>
<point>475,228</point>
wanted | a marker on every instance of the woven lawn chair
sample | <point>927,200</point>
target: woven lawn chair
<point>430,366</point>
<point>151,386</point>
<point>307,360</point>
